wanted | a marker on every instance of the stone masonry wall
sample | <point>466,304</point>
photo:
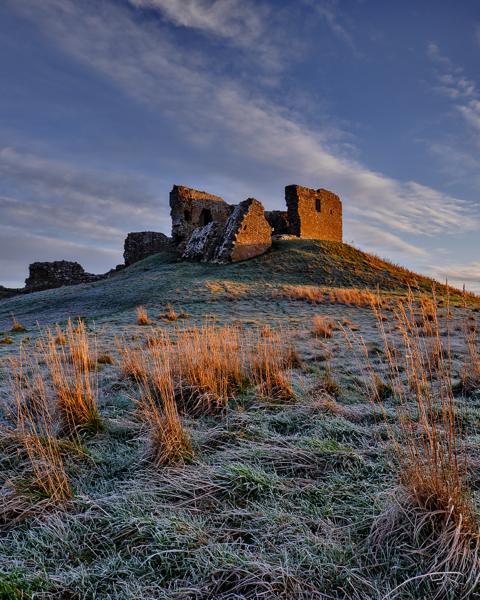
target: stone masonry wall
<point>191,209</point>
<point>314,214</point>
<point>141,244</point>
<point>201,246</point>
<point>278,220</point>
<point>48,275</point>
<point>247,233</point>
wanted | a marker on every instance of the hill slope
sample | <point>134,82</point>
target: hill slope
<point>164,278</point>
<point>287,461</point>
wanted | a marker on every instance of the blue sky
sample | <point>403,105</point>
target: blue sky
<point>105,104</point>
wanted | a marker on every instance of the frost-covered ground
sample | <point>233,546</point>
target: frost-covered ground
<point>281,495</point>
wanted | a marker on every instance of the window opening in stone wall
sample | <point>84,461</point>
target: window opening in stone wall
<point>188,216</point>
<point>318,205</point>
<point>244,228</point>
<point>331,211</point>
<point>205,217</point>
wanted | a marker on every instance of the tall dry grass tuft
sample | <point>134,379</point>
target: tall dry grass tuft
<point>169,441</point>
<point>354,297</point>
<point>322,327</point>
<point>211,360</point>
<point>212,364</point>
<point>142,318</point>
<point>206,364</point>
<point>38,478</point>
<point>269,358</point>
<point>433,513</point>
<point>75,386</point>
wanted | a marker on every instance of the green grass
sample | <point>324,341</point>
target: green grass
<point>163,280</point>
<point>281,495</point>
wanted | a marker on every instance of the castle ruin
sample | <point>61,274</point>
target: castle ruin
<point>206,228</point>
<point>142,244</point>
<point>191,209</point>
<point>45,276</point>
<point>313,214</point>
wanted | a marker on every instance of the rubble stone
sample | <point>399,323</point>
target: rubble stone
<point>246,234</point>
<point>141,244</point>
<point>202,244</point>
<point>48,275</point>
<point>313,214</point>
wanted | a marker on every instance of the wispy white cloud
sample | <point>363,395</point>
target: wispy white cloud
<point>329,11</point>
<point>56,199</point>
<point>456,87</point>
<point>374,239</point>
<point>433,52</point>
<point>457,162</point>
<point>241,20</point>
<point>249,25</point>
<point>219,117</point>
<point>457,150</point>
<point>459,274</point>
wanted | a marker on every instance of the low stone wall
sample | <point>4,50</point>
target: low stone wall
<point>142,244</point>
<point>9,292</point>
<point>49,275</point>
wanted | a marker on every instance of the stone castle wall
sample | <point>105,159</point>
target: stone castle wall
<point>203,243</point>
<point>190,209</point>
<point>314,214</point>
<point>278,221</point>
<point>247,234</point>
<point>143,244</point>
<point>48,275</point>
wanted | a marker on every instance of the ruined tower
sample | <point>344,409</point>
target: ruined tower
<point>313,214</point>
<point>191,209</point>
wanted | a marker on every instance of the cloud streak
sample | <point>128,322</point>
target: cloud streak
<point>55,199</point>
<point>328,10</point>
<point>229,125</point>
<point>217,112</point>
<point>238,20</point>
<point>457,88</point>
<point>459,274</point>
<point>373,239</point>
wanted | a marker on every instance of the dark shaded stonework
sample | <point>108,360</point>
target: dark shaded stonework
<point>246,234</point>
<point>142,244</point>
<point>314,214</point>
<point>202,244</point>
<point>48,275</point>
<point>278,221</point>
<point>190,209</point>
<point>9,292</point>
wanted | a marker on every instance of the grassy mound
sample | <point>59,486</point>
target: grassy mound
<point>164,275</point>
<point>251,431</point>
